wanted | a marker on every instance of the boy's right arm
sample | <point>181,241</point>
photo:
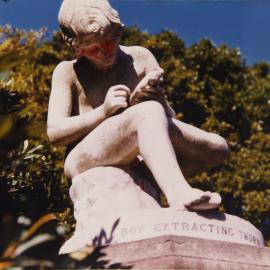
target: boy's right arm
<point>62,128</point>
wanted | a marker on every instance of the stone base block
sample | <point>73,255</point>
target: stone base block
<point>103,228</point>
<point>180,252</point>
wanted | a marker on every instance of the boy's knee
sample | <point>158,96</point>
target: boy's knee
<point>152,107</point>
<point>149,109</point>
<point>220,143</point>
<point>70,167</point>
<point>78,162</point>
<point>219,147</point>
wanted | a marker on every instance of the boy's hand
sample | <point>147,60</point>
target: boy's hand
<point>148,93</point>
<point>116,98</point>
<point>148,86</point>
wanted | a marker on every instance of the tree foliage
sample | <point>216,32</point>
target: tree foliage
<point>209,86</point>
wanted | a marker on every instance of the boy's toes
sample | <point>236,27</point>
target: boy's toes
<point>205,202</point>
<point>215,198</point>
<point>202,198</point>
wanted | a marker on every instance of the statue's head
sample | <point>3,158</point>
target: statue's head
<point>91,18</point>
<point>87,22</point>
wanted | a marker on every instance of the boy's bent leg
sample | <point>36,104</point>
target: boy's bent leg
<point>197,150</point>
<point>140,129</point>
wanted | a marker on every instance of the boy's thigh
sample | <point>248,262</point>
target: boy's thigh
<point>110,143</point>
<point>109,137</point>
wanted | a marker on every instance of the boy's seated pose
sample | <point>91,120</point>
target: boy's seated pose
<point>90,109</point>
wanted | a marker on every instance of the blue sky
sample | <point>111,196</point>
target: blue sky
<point>244,24</point>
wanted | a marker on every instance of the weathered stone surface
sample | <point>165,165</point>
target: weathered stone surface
<point>111,188</point>
<point>100,196</point>
<point>179,252</point>
<point>110,208</point>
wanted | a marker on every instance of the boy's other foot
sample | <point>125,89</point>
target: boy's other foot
<point>197,200</point>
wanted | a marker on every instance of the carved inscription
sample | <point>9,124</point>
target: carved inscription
<point>194,226</point>
<point>249,238</point>
<point>132,230</point>
<point>205,228</point>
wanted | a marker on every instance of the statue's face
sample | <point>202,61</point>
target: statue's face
<point>103,53</point>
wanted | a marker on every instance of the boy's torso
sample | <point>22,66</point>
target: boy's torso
<point>91,85</point>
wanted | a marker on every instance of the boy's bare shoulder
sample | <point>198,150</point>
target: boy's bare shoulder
<point>65,70</point>
<point>142,56</point>
<point>137,51</point>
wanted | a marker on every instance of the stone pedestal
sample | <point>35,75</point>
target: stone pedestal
<point>110,207</point>
<point>180,252</point>
<point>119,217</point>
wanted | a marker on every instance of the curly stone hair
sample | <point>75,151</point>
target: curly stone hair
<point>87,17</point>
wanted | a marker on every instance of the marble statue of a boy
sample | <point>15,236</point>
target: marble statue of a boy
<point>88,92</point>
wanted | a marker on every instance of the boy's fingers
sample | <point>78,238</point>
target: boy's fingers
<point>155,81</point>
<point>155,73</point>
<point>149,89</point>
<point>121,93</point>
<point>121,105</point>
<point>122,99</point>
<point>121,87</point>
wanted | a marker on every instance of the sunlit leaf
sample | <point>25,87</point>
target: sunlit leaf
<point>35,149</point>
<point>37,240</point>
<point>82,254</point>
<point>25,146</point>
